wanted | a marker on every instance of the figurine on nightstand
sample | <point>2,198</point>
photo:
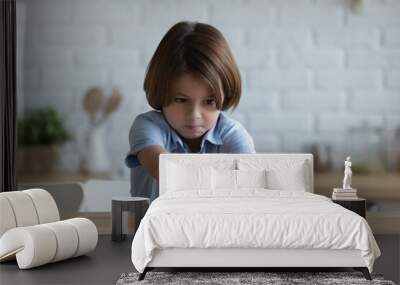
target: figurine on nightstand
<point>347,174</point>
<point>347,192</point>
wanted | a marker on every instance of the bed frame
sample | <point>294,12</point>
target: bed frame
<point>245,259</point>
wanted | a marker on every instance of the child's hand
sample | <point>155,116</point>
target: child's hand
<point>148,158</point>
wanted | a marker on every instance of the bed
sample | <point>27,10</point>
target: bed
<point>245,211</point>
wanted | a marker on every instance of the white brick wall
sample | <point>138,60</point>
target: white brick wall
<point>311,68</point>
<point>352,79</point>
<point>391,38</point>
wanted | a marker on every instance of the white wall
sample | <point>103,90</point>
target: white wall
<point>311,68</point>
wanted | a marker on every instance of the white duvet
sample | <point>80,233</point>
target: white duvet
<point>250,218</point>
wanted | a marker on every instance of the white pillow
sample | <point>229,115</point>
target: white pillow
<point>251,178</point>
<point>182,177</point>
<point>282,174</point>
<point>224,179</point>
<point>291,179</point>
<point>228,179</point>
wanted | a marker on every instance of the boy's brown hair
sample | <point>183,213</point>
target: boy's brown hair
<point>201,50</point>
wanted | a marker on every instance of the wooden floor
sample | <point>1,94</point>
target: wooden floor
<point>111,259</point>
<point>103,266</point>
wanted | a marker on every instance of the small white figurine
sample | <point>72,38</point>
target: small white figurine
<point>347,174</point>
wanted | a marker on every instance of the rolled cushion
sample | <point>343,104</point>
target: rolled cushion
<point>33,246</point>
<point>7,218</point>
<point>41,244</point>
<point>87,234</point>
<point>26,208</point>
<point>23,208</point>
<point>45,205</point>
<point>67,240</point>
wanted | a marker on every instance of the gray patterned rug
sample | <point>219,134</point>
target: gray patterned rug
<point>229,278</point>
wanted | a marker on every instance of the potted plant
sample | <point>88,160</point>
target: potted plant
<point>40,134</point>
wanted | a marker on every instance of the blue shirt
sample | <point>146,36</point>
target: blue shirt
<point>151,128</point>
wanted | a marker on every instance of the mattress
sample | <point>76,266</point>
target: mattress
<point>251,219</point>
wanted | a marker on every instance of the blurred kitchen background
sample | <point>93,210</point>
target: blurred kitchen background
<point>320,76</point>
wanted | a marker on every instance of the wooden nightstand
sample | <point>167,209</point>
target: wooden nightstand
<point>358,206</point>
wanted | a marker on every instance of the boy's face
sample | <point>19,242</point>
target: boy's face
<point>193,110</point>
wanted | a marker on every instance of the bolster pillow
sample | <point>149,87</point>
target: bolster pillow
<point>40,244</point>
<point>26,208</point>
